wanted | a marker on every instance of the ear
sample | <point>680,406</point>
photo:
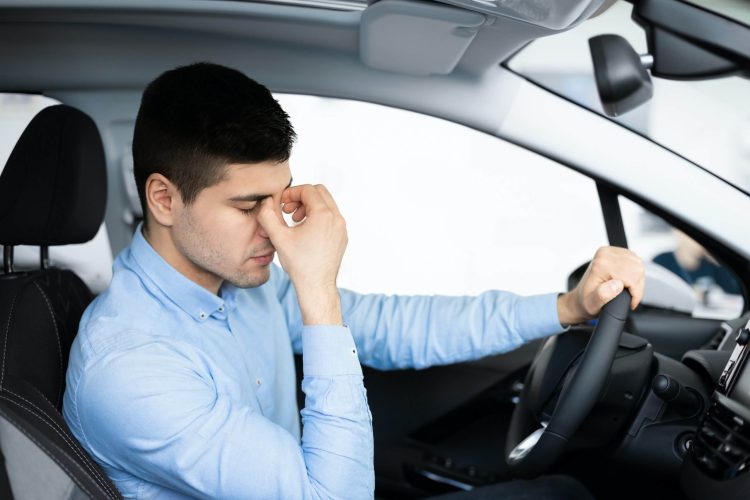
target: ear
<point>162,199</point>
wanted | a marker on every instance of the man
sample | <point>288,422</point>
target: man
<point>181,380</point>
<point>691,262</point>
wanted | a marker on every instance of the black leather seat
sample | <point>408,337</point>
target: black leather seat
<point>52,192</point>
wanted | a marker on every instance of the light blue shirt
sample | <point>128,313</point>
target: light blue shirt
<point>178,392</point>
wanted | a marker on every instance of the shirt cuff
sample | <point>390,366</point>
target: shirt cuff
<point>329,351</point>
<point>539,316</point>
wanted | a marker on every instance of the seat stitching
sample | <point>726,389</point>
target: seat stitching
<point>63,435</point>
<point>73,442</point>
<point>5,344</point>
<point>49,453</point>
<point>85,457</point>
<point>41,409</point>
<point>66,438</point>
<point>40,393</point>
<point>57,335</point>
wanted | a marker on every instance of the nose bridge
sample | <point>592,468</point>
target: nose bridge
<point>277,201</point>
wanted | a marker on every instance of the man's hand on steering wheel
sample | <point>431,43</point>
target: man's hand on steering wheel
<point>536,439</point>
<point>611,269</point>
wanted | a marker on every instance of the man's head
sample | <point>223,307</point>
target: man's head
<point>209,144</point>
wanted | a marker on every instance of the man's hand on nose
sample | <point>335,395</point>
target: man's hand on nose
<point>311,251</point>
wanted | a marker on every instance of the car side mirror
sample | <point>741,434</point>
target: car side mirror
<point>621,77</point>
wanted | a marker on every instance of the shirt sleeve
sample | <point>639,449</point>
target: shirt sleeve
<point>393,331</point>
<point>420,331</point>
<point>155,411</point>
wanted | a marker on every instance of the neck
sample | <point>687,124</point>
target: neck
<point>161,240</point>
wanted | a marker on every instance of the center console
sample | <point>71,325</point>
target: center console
<point>719,457</point>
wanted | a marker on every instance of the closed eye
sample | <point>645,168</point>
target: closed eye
<point>249,211</point>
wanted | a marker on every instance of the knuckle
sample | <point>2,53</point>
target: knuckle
<point>596,265</point>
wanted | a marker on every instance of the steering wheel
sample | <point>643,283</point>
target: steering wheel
<point>535,439</point>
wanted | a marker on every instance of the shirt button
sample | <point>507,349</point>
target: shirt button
<point>202,315</point>
<point>221,309</point>
<point>257,381</point>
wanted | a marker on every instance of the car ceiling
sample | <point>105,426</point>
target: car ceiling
<point>110,45</point>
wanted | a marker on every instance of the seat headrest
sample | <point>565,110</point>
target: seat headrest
<point>53,189</point>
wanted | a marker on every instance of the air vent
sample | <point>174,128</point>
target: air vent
<point>722,444</point>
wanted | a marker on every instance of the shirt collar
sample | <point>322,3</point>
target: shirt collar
<point>189,296</point>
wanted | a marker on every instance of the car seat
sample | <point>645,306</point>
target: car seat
<point>52,192</point>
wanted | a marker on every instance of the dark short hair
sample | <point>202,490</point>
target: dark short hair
<point>195,120</point>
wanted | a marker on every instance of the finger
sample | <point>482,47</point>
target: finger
<point>290,207</point>
<point>270,219</point>
<point>299,214</point>
<point>621,263</point>
<point>608,291</point>
<point>326,195</point>
<point>306,195</point>
<point>296,208</point>
<point>634,277</point>
<point>634,286</point>
<point>637,292</point>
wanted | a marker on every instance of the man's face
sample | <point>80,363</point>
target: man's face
<point>219,233</point>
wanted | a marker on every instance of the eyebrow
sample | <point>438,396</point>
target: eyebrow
<point>255,197</point>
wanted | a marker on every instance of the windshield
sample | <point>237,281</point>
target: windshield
<point>739,10</point>
<point>707,122</point>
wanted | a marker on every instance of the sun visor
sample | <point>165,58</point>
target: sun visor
<point>416,38</point>
<point>555,15</point>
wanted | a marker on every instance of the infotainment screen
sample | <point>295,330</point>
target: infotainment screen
<point>740,391</point>
<point>735,380</point>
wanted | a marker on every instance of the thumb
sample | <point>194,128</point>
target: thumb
<point>271,220</point>
<point>609,290</point>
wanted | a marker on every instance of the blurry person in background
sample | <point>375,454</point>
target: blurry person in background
<point>691,262</point>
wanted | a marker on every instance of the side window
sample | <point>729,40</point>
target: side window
<point>715,288</point>
<point>433,207</point>
<point>92,261</point>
